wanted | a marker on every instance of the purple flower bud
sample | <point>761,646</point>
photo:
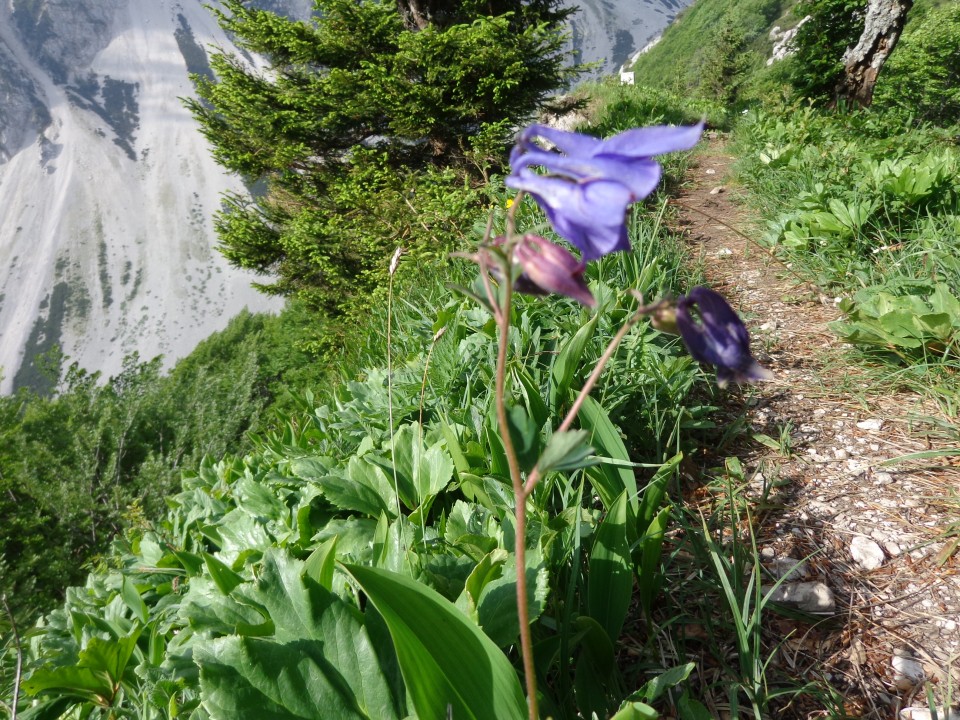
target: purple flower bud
<point>549,268</point>
<point>718,338</point>
<point>590,182</point>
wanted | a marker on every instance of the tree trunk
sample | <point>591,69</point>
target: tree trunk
<point>882,28</point>
<point>415,16</point>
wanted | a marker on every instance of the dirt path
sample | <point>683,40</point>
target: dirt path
<point>876,535</point>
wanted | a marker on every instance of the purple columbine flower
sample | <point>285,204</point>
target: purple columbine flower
<point>590,182</point>
<point>549,268</point>
<point>718,338</point>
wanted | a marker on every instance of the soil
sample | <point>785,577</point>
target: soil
<point>817,447</point>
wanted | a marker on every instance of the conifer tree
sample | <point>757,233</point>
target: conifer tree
<point>360,131</point>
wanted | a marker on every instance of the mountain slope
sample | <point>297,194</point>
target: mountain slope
<point>106,240</point>
<point>107,188</point>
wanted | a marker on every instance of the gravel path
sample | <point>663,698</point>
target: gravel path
<point>878,562</point>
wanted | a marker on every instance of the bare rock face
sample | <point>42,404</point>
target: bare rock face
<point>108,189</point>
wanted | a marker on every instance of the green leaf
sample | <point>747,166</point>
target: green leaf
<point>636,711</point>
<point>610,584</point>
<point>537,408</point>
<point>568,450</point>
<point>319,663</point>
<point>651,544</point>
<point>97,675</point>
<point>354,493</point>
<point>131,598</point>
<point>653,689</point>
<point>608,480</point>
<point>594,667</point>
<point>567,361</point>
<point>525,436</point>
<point>497,605</point>
<point>490,568</point>
<point>319,566</point>
<point>422,472</point>
<point>654,492</point>
<point>690,709</point>
<point>446,660</point>
<point>225,578</point>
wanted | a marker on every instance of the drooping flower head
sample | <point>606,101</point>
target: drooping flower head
<point>549,268</point>
<point>544,267</point>
<point>718,337</point>
<point>590,182</point>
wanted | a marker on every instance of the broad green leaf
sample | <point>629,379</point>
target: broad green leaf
<point>608,480</point>
<point>319,566</point>
<point>490,568</point>
<point>690,709</point>
<point>206,609</point>
<point>225,578</point>
<point>594,668</point>
<point>653,689</point>
<point>636,711</point>
<point>568,450</point>
<point>525,435</point>
<point>446,660</point>
<point>319,662</point>
<point>422,472</point>
<point>568,360</point>
<point>252,678</point>
<point>610,583</point>
<point>497,604</point>
<point>97,675</point>
<point>255,499</point>
<point>349,493</point>
<point>131,598</point>
<point>651,544</point>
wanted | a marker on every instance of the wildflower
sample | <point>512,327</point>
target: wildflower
<point>590,182</point>
<point>718,338</point>
<point>549,268</point>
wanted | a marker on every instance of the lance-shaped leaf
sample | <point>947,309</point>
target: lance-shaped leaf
<point>448,664</point>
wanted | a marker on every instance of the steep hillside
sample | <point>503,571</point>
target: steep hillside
<point>107,190</point>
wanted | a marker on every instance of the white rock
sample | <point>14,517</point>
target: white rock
<point>788,568</point>
<point>724,252</point>
<point>873,424</point>
<point>813,597</point>
<point>866,553</point>
<point>907,672</point>
<point>710,171</point>
<point>717,190</point>
<point>919,713</point>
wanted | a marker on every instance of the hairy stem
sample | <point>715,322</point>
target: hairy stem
<point>520,514</point>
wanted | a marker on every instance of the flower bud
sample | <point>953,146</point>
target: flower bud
<point>549,268</point>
